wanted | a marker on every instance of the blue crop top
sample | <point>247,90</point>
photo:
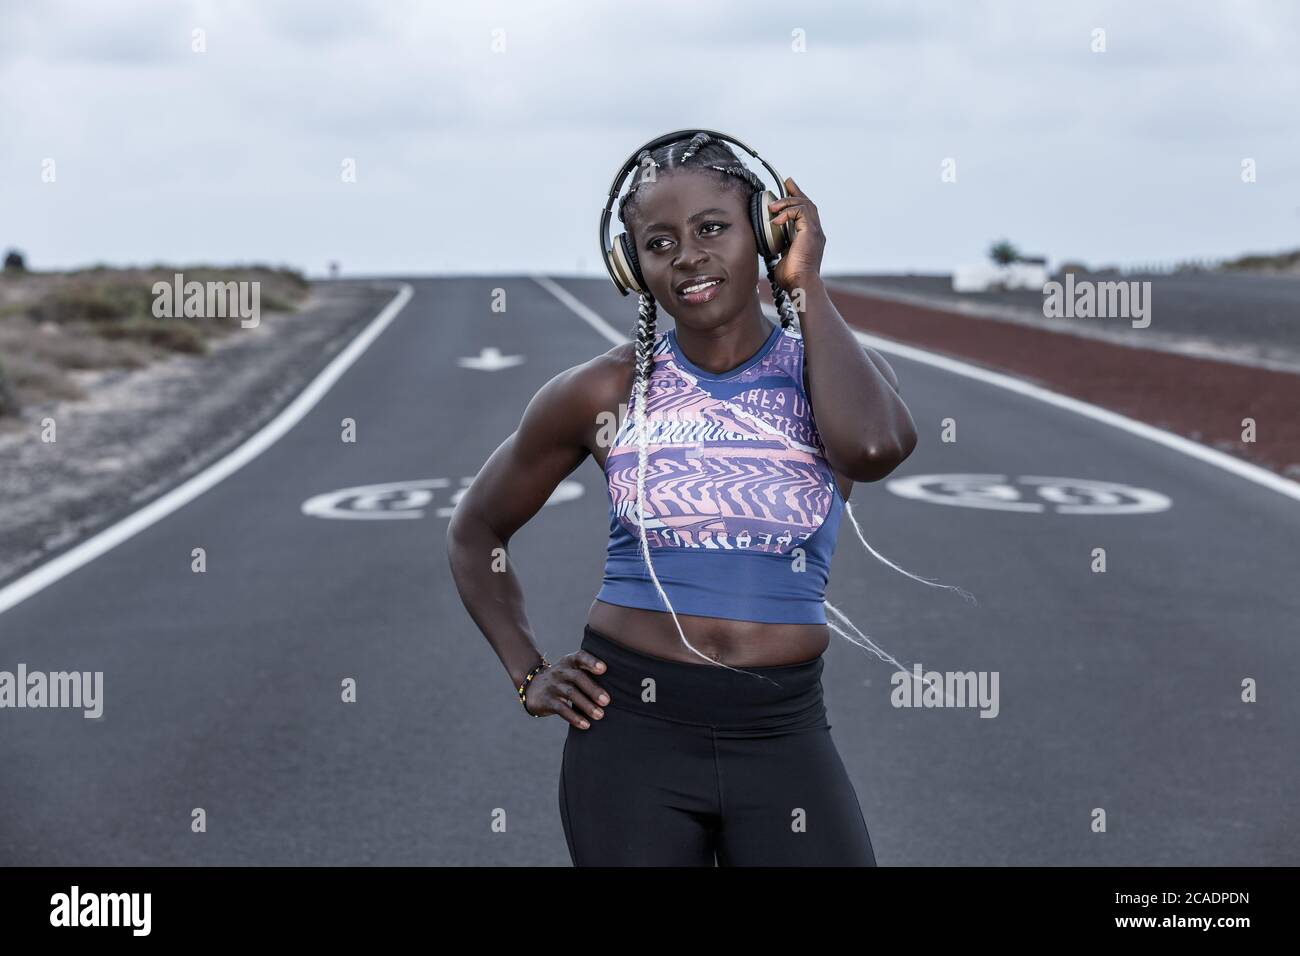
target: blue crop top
<point>742,509</point>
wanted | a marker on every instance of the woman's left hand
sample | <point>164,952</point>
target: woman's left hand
<point>803,259</point>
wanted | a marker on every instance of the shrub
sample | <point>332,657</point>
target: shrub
<point>170,334</point>
<point>1004,253</point>
<point>8,400</point>
<point>98,302</point>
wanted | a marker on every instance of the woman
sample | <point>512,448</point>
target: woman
<point>742,441</point>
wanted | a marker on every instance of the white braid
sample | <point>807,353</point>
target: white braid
<point>639,389</point>
<point>848,509</point>
<point>872,646</point>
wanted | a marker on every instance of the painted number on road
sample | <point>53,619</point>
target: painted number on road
<point>404,499</point>
<point>1031,493</point>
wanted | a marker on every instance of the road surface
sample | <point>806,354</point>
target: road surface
<point>1119,691</point>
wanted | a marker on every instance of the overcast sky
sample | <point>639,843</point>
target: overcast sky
<point>470,159</point>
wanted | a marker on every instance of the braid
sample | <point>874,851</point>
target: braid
<point>646,161</point>
<point>782,299</point>
<point>698,140</point>
<point>645,342</point>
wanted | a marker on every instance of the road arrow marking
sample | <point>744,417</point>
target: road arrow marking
<point>490,360</point>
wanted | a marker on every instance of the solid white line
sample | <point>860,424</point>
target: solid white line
<point>587,315</point>
<point>42,577</point>
<point>1211,456</point>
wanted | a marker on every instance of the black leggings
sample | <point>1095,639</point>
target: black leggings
<point>696,765</point>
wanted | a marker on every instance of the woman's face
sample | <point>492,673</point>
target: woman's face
<point>686,225</point>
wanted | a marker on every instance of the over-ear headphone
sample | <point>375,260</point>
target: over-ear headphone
<point>620,256</point>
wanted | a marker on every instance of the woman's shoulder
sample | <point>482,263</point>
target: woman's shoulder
<point>605,376</point>
<point>604,382</point>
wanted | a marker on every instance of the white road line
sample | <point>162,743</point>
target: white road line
<point>591,318</point>
<point>1211,456</point>
<point>42,577</point>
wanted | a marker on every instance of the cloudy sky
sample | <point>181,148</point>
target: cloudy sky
<point>484,135</point>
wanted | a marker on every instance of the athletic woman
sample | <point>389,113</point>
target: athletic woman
<point>698,733</point>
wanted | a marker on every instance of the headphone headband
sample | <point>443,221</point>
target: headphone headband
<point>653,145</point>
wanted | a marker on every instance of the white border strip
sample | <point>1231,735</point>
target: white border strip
<point>1211,456</point>
<point>43,576</point>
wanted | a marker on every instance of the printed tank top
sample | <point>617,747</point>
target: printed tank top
<point>742,509</point>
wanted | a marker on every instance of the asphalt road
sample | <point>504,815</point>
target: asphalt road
<point>1118,690</point>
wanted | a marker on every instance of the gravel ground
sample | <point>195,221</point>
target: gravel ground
<point>1248,318</point>
<point>139,433</point>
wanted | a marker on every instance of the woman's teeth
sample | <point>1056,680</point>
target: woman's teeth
<point>701,286</point>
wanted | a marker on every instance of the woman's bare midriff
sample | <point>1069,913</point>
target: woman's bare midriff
<point>735,643</point>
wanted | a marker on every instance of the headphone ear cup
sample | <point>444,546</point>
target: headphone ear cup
<point>772,240</point>
<point>756,221</point>
<point>629,249</point>
<point>626,265</point>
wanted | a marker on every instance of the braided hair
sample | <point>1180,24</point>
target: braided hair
<point>703,152</point>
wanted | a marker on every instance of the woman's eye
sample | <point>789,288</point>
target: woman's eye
<point>720,225</point>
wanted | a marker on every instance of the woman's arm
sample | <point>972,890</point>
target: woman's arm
<point>865,427</point>
<point>864,424</point>
<point>886,369</point>
<point>510,488</point>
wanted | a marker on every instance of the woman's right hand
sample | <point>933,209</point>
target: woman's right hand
<point>565,681</point>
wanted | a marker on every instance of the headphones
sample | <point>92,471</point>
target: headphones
<point>620,257</point>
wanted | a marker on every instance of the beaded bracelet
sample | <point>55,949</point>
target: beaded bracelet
<point>523,688</point>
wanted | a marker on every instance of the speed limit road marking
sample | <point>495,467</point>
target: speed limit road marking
<point>1031,493</point>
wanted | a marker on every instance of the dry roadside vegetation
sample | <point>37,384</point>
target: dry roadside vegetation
<point>56,324</point>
